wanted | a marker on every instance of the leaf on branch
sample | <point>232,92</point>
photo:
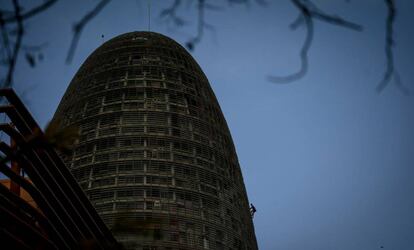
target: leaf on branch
<point>189,45</point>
<point>30,59</point>
<point>62,139</point>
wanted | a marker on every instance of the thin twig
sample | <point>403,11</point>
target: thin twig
<point>79,26</point>
<point>389,44</point>
<point>16,16</point>
<point>297,22</point>
<point>20,31</point>
<point>309,12</point>
<point>171,13</point>
<point>5,38</point>
<point>317,13</point>
<point>33,12</point>
<point>200,26</point>
<point>202,6</point>
<point>304,50</point>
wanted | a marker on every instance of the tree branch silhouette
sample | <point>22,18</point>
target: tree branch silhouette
<point>11,49</point>
<point>171,13</point>
<point>190,44</point>
<point>79,26</point>
<point>6,50</point>
<point>309,12</point>
<point>307,19</point>
<point>11,44</point>
<point>389,45</point>
<point>14,54</point>
<point>32,12</point>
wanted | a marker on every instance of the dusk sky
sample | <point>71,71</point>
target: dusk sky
<point>327,160</point>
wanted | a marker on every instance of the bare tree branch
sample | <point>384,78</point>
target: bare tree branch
<point>79,26</point>
<point>20,32</point>
<point>5,39</point>
<point>317,13</point>
<point>33,12</point>
<point>201,7</point>
<point>297,22</point>
<point>200,26</point>
<point>309,12</point>
<point>389,44</point>
<point>11,49</point>
<point>306,17</point>
<point>247,2</point>
<point>171,13</point>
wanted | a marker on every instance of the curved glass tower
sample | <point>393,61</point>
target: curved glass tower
<point>155,155</point>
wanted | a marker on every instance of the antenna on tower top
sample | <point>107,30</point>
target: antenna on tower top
<point>149,15</point>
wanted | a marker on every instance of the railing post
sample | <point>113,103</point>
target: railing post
<point>14,187</point>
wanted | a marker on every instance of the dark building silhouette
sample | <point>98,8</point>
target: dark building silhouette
<point>155,155</point>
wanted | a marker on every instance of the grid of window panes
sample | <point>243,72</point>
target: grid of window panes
<point>155,155</point>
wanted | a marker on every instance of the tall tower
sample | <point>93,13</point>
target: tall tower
<point>155,155</point>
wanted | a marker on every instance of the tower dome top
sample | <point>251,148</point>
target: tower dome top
<point>142,37</point>
<point>150,44</point>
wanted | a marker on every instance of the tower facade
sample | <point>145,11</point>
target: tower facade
<point>155,155</point>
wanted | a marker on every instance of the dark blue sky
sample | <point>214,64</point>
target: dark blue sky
<point>327,161</point>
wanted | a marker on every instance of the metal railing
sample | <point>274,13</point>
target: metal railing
<point>65,218</point>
